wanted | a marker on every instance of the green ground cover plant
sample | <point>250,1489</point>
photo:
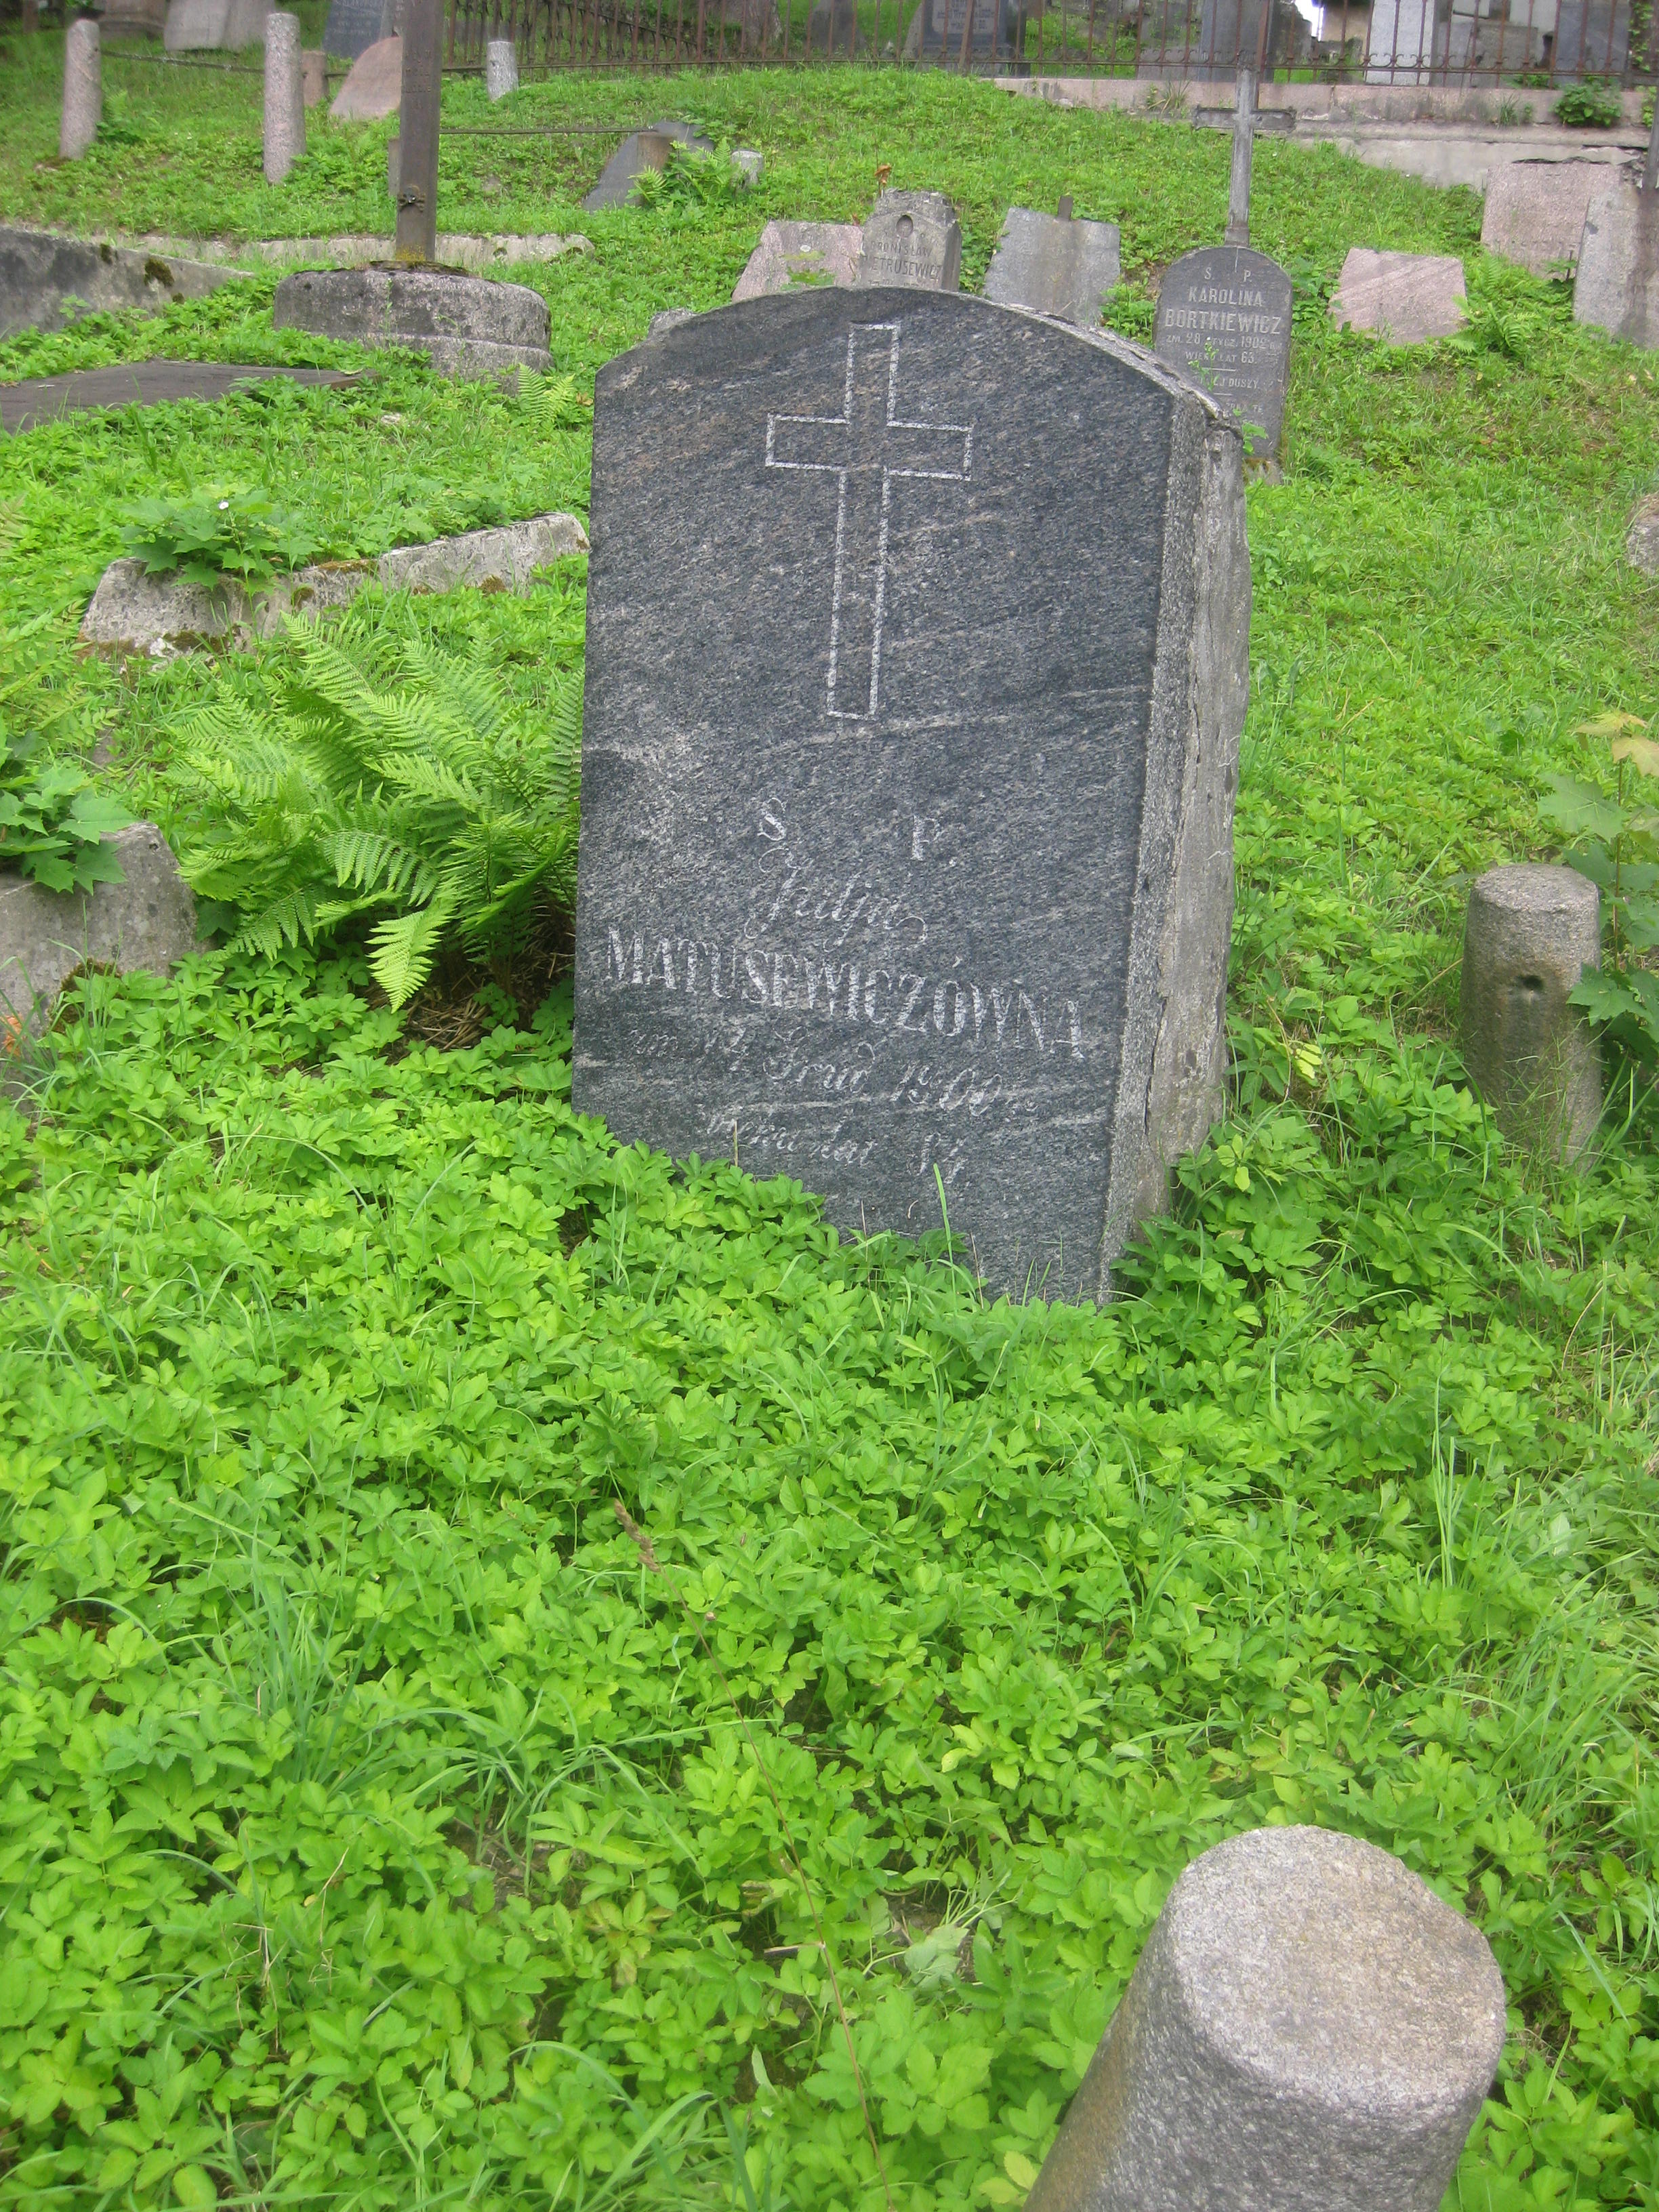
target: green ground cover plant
<point>379,1828</point>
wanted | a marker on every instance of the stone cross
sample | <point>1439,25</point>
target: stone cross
<point>865,447</point>
<point>417,132</point>
<point>1238,194</point>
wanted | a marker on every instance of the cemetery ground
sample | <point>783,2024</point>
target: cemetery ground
<point>385,1822</point>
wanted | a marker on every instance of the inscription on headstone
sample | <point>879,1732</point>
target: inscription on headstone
<point>917,642</point>
<point>1224,315</point>
<point>912,238</point>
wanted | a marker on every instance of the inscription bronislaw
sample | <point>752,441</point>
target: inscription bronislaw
<point>1006,1016</point>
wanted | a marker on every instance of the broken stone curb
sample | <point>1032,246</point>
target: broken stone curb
<point>468,326</point>
<point>146,922</point>
<point>45,278</point>
<point>133,612</point>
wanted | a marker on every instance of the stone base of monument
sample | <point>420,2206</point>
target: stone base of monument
<point>147,920</point>
<point>132,612</point>
<point>468,326</point>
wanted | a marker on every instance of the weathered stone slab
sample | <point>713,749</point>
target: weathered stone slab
<point>1309,2029</point>
<point>133,19</point>
<point>215,26</point>
<point>1054,266</point>
<point>917,651</point>
<point>46,279</point>
<point>1642,539</point>
<point>353,26</point>
<point>1224,315</point>
<point>639,151</point>
<point>1406,298</point>
<point>504,559</point>
<point>148,921</point>
<point>1534,211</point>
<point>469,325</point>
<point>1617,288</point>
<point>133,612</point>
<point>375,84</point>
<point>139,384</point>
<point>791,254</point>
<point>912,238</point>
<point>937,28</point>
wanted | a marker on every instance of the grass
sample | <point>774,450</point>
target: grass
<point>377,1830</point>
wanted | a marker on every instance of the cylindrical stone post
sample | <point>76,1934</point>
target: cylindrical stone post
<point>1309,2029</point>
<point>83,89</point>
<point>285,105</point>
<point>500,67</point>
<point>1532,931</point>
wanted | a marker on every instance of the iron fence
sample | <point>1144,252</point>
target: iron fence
<point>1537,44</point>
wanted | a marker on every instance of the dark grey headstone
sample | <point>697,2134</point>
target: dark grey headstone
<point>1592,38</point>
<point>912,238</point>
<point>1224,315</point>
<point>917,651</point>
<point>639,151</point>
<point>353,26</point>
<point>833,28</point>
<point>997,26</point>
<point>1054,265</point>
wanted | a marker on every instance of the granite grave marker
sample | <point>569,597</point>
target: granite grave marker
<point>1224,315</point>
<point>917,654</point>
<point>1054,265</point>
<point>353,26</point>
<point>912,238</point>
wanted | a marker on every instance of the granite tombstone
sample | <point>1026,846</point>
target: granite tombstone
<point>1224,315</point>
<point>353,26</point>
<point>1054,265</point>
<point>639,151</point>
<point>912,238</point>
<point>917,653</point>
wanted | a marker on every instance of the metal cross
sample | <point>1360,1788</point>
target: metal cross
<point>865,449</point>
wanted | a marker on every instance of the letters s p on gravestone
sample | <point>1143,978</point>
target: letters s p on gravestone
<point>917,639</point>
<point>1224,315</point>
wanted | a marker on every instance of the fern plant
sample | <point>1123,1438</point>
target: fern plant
<point>395,786</point>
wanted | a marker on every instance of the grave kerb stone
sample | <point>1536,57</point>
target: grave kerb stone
<point>468,326</point>
<point>917,645</point>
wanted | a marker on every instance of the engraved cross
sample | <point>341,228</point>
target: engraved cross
<point>865,447</point>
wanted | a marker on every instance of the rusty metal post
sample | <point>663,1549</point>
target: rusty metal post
<point>1238,195</point>
<point>418,132</point>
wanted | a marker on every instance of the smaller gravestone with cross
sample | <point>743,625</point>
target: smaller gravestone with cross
<point>916,657</point>
<point>866,447</point>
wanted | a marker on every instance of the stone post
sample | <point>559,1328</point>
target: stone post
<point>83,89</point>
<point>313,75</point>
<point>1309,2029</point>
<point>1238,194</point>
<point>500,67</point>
<point>285,106</point>
<point>418,132</point>
<point>1651,172</point>
<point>1532,931</point>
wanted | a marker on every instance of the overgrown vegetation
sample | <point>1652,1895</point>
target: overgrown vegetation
<point>380,1832</point>
<point>399,786</point>
<point>1615,842</point>
<point>218,534</point>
